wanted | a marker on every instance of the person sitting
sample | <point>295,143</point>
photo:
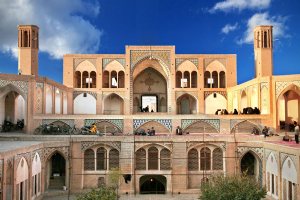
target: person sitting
<point>256,111</point>
<point>93,129</point>
<point>255,131</point>
<point>152,132</point>
<point>286,137</point>
<point>225,112</point>
<point>178,130</point>
<point>265,131</point>
<point>148,132</point>
<point>235,112</point>
<point>217,112</point>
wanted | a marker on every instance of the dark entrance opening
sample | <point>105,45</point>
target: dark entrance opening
<point>153,184</point>
<point>248,164</point>
<point>57,171</point>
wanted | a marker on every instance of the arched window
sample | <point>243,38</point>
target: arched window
<point>89,159</point>
<point>206,77</point>
<point>222,79</point>
<point>85,76</point>
<point>186,75</point>
<point>93,79</point>
<point>194,79</point>
<point>101,158</point>
<point>113,158</point>
<point>193,161</point>
<point>121,79</point>
<point>114,79</point>
<point>205,159</point>
<point>217,159</point>
<point>178,79</point>
<point>77,79</point>
<point>165,159</point>
<point>140,159</point>
<point>215,78</point>
<point>152,158</point>
<point>105,79</point>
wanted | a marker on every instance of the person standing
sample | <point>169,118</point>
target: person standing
<point>296,132</point>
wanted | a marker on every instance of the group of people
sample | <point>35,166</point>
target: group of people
<point>248,111</point>
<point>150,132</point>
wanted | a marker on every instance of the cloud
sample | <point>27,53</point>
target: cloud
<point>64,27</point>
<point>240,5</point>
<point>278,23</point>
<point>229,28</point>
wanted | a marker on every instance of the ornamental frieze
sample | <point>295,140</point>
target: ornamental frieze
<point>88,144</point>
<point>106,61</point>
<point>77,61</point>
<point>21,85</point>
<point>179,61</point>
<point>138,55</point>
<point>284,156</point>
<point>281,85</point>
<point>259,151</point>
<point>50,150</point>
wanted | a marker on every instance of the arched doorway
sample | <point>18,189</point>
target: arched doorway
<point>288,106</point>
<point>186,104</point>
<point>250,166</point>
<point>153,184</point>
<point>56,171</point>
<point>149,88</point>
<point>12,105</point>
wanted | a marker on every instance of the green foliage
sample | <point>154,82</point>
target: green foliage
<point>101,193</point>
<point>232,188</point>
<point>113,177</point>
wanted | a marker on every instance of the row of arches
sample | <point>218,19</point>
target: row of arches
<point>24,179</point>
<point>208,158</point>
<point>288,175</point>
<point>85,79</point>
<point>190,77</point>
<point>101,159</point>
<point>214,79</point>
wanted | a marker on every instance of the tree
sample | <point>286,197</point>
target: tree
<point>101,193</point>
<point>233,188</point>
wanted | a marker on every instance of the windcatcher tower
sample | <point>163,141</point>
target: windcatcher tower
<point>263,51</point>
<point>28,49</point>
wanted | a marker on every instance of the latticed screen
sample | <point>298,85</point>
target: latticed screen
<point>89,160</point>
<point>141,159</point>
<point>101,159</point>
<point>193,163</point>
<point>205,159</point>
<point>113,158</point>
<point>152,158</point>
<point>165,159</point>
<point>217,159</point>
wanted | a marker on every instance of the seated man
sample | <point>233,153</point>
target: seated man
<point>178,130</point>
<point>286,137</point>
<point>93,129</point>
<point>265,131</point>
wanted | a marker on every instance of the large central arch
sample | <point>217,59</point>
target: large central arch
<point>150,79</point>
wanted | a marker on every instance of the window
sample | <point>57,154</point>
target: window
<point>89,160</point>
<point>205,159</point>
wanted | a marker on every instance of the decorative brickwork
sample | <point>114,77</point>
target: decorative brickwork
<point>22,86</point>
<point>207,61</point>
<point>284,156</point>
<point>137,56</point>
<point>88,144</point>
<point>48,151</point>
<point>178,61</point>
<point>252,122</point>
<point>165,122</point>
<point>281,85</point>
<point>207,93</point>
<point>106,61</point>
<point>257,150</point>
<point>77,61</point>
<point>76,93</point>
<point>69,122</point>
<point>213,122</point>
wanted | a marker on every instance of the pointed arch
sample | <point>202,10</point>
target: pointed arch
<point>214,102</point>
<point>114,65</point>
<point>85,103</point>
<point>159,128</point>
<point>187,66</point>
<point>245,126</point>
<point>85,65</point>
<point>215,66</point>
<point>187,104</point>
<point>200,126</point>
<point>113,104</point>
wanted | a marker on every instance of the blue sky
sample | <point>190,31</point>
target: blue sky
<point>193,26</point>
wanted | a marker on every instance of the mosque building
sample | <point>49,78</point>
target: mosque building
<point>147,86</point>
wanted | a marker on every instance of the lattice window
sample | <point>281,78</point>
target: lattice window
<point>101,158</point>
<point>193,162</point>
<point>89,159</point>
<point>165,159</point>
<point>113,158</point>
<point>217,159</point>
<point>205,154</point>
<point>152,158</point>
<point>141,159</point>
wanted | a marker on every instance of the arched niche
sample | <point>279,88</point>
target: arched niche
<point>85,104</point>
<point>186,104</point>
<point>213,102</point>
<point>113,105</point>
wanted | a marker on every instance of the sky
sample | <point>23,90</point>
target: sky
<point>193,26</point>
